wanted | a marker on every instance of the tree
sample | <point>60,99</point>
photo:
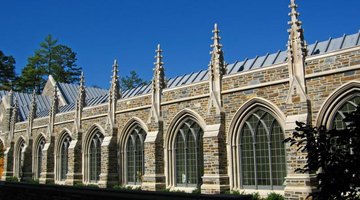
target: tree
<point>7,72</point>
<point>333,155</point>
<point>51,59</point>
<point>132,81</point>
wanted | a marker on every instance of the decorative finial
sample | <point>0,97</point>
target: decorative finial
<point>296,54</point>
<point>159,69</point>
<point>114,88</point>
<point>82,80</point>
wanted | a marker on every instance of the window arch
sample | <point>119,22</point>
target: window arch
<point>93,156</point>
<point>39,156</point>
<point>135,155</point>
<point>63,157</point>
<point>19,158</point>
<point>188,154</point>
<point>261,151</point>
<point>348,105</point>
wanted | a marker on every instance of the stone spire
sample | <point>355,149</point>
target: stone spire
<point>114,94</point>
<point>14,117</point>
<point>80,103</point>
<point>297,52</point>
<point>216,71</point>
<point>158,84</point>
<point>32,113</point>
<point>53,110</point>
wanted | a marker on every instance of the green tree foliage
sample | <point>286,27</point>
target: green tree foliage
<point>333,155</point>
<point>51,59</point>
<point>132,81</point>
<point>7,72</point>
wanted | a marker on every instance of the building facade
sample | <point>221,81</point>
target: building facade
<point>214,130</point>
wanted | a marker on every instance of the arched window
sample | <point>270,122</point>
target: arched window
<point>19,158</point>
<point>39,156</point>
<point>262,152</point>
<point>347,107</point>
<point>63,157</point>
<point>188,154</point>
<point>95,157</point>
<point>135,156</point>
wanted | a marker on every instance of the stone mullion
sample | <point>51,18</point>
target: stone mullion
<point>154,178</point>
<point>8,162</point>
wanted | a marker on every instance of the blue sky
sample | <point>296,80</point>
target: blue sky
<point>100,31</point>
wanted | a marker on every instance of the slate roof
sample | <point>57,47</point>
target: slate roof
<point>96,96</point>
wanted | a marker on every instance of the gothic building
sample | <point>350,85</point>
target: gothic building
<point>215,130</point>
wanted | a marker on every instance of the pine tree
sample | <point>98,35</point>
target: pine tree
<point>51,59</point>
<point>132,81</point>
<point>7,72</point>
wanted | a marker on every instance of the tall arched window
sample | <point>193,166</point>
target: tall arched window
<point>262,152</point>
<point>19,158</point>
<point>95,157</point>
<point>188,154</point>
<point>347,107</point>
<point>135,156</point>
<point>63,157</point>
<point>39,156</point>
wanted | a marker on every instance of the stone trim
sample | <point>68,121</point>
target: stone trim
<point>334,71</point>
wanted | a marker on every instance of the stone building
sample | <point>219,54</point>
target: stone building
<point>215,130</point>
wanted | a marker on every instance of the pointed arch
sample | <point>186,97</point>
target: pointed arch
<point>38,146</point>
<point>61,155</point>
<point>183,150</point>
<point>131,150</point>
<point>256,128</point>
<point>334,101</point>
<point>20,147</point>
<point>92,154</point>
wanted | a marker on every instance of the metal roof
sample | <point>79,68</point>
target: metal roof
<point>70,92</point>
<point>96,96</point>
<point>24,102</point>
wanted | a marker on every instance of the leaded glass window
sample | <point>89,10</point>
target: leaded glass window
<point>135,156</point>
<point>262,152</point>
<point>95,157</point>
<point>188,154</point>
<point>39,155</point>
<point>64,157</point>
<point>349,106</point>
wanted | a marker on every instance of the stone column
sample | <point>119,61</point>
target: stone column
<point>27,169</point>
<point>154,178</point>
<point>75,174</point>
<point>215,179</point>
<point>298,185</point>
<point>48,164</point>
<point>109,160</point>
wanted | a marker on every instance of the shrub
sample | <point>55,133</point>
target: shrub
<point>196,191</point>
<point>274,196</point>
<point>12,179</point>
